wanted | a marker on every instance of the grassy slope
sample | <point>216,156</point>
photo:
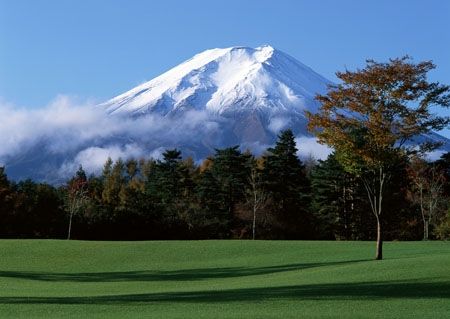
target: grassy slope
<point>223,279</point>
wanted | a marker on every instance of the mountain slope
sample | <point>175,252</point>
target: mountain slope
<point>227,80</point>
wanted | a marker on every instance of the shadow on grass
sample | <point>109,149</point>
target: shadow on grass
<point>175,275</point>
<point>351,291</point>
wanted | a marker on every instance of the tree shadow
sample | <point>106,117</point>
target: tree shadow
<point>175,275</point>
<point>335,291</point>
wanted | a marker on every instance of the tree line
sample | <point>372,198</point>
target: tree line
<point>231,194</point>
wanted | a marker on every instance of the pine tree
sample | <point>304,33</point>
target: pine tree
<point>286,182</point>
<point>443,163</point>
<point>222,185</point>
<point>165,186</point>
<point>169,176</point>
<point>5,192</point>
<point>7,200</point>
<point>338,201</point>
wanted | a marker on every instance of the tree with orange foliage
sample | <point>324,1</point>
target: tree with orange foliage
<point>376,117</point>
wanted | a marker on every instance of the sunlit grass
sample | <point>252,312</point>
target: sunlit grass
<point>223,279</point>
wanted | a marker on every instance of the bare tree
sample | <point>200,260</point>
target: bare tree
<point>256,196</point>
<point>428,188</point>
<point>77,196</point>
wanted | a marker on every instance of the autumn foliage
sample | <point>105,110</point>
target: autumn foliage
<point>376,117</point>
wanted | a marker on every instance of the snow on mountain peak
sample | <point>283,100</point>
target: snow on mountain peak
<point>226,80</point>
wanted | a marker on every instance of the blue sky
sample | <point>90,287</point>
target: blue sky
<point>100,48</point>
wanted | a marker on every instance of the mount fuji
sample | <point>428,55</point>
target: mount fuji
<point>259,90</point>
<point>225,81</point>
<point>220,97</point>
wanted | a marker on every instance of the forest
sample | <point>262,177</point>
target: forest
<point>231,194</point>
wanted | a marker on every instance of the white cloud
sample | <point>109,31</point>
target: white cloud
<point>92,159</point>
<point>157,153</point>
<point>256,148</point>
<point>278,123</point>
<point>62,125</point>
<point>84,133</point>
<point>308,146</point>
<point>434,155</point>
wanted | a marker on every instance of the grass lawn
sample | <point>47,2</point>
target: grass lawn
<point>223,279</point>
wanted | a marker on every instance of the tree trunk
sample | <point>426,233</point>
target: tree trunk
<point>70,225</point>
<point>344,200</point>
<point>425,229</point>
<point>254,222</point>
<point>379,255</point>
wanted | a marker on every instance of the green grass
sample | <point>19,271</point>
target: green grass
<point>223,279</point>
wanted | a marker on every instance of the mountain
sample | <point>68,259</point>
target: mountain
<point>218,98</point>
<point>261,90</point>
<point>226,81</point>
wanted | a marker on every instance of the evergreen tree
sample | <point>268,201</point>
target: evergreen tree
<point>443,163</point>
<point>169,176</point>
<point>6,195</point>
<point>286,182</point>
<point>166,188</point>
<point>222,186</point>
<point>210,218</point>
<point>7,201</point>
<point>339,202</point>
<point>331,198</point>
<point>38,211</point>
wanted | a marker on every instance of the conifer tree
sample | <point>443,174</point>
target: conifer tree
<point>286,182</point>
<point>7,200</point>
<point>443,163</point>
<point>338,201</point>
<point>222,186</point>
<point>5,192</point>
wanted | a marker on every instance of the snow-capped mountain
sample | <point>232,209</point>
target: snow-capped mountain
<point>252,92</point>
<point>225,81</point>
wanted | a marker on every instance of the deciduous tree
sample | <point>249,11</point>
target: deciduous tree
<point>256,194</point>
<point>76,196</point>
<point>376,116</point>
<point>428,186</point>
